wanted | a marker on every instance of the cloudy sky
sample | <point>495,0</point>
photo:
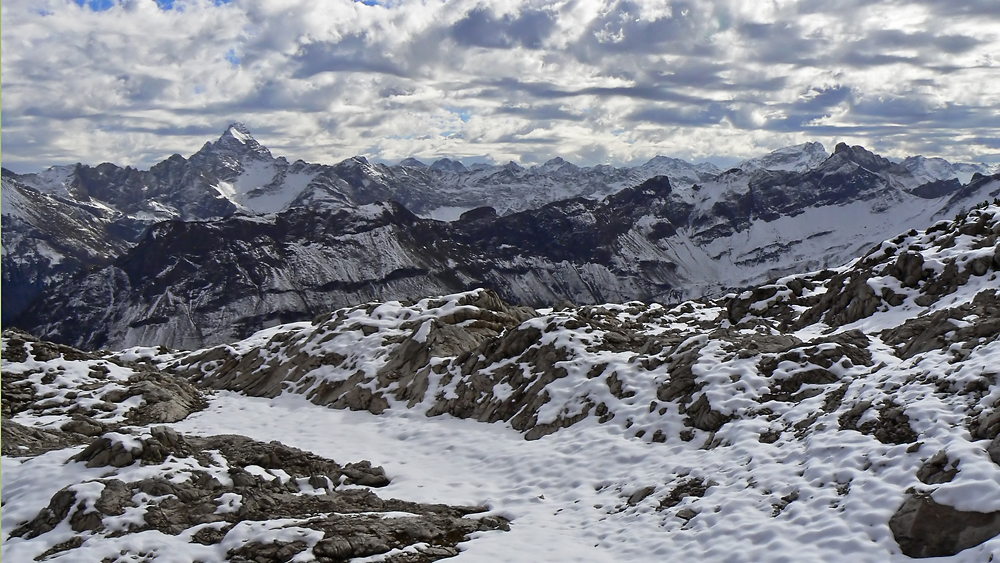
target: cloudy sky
<point>592,81</point>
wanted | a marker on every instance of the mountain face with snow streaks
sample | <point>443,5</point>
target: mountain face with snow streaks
<point>205,249</point>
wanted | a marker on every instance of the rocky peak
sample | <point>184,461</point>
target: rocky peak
<point>796,158</point>
<point>860,156</point>
<point>412,163</point>
<point>558,164</point>
<point>237,141</point>
<point>448,165</point>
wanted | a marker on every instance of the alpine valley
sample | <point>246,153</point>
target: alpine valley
<point>208,249</point>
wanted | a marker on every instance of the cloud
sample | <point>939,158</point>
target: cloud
<point>133,81</point>
<point>481,28</point>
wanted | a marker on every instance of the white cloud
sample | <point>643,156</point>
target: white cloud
<point>589,80</point>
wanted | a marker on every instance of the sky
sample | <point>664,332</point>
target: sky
<point>592,81</point>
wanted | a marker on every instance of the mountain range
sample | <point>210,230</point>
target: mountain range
<point>203,250</point>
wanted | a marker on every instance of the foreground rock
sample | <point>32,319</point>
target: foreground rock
<point>925,528</point>
<point>88,393</point>
<point>236,487</point>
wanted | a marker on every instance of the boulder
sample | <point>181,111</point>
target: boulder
<point>924,528</point>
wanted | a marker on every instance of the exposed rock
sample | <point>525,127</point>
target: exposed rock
<point>924,528</point>
<point>942,328</point>
<point>691,487</point>
<point>986,426</point>
<point>936,470</point>
<point>19,440</point>
<point>994,450</point>
<point>640,495</point>
<point>136,393</point>
<point>350,521</point>
<point>891,427</point>
<point>781,505</point>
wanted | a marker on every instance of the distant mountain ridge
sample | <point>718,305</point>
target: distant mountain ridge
<point>202,249</point>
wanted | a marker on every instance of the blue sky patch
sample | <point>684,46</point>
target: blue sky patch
<point>103,5</point>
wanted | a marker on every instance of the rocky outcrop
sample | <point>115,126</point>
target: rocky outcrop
<point>89,392</point>
<point>255,483</point>
<point>886,277</point>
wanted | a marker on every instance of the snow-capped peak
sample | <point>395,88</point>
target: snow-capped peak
<point>681,172</point>
<point>238,141</point>
<point>926,169</point>
<point>412,163</point>
<point>240,132</point>
<point>557,164</point>
<point>796,158</point>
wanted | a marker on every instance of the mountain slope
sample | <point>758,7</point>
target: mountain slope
<point>189,285</point>
<point>237,175</point>
<point>46,240</point>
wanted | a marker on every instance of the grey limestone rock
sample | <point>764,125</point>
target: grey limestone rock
<point>350,519</point>
<point>924,528</point>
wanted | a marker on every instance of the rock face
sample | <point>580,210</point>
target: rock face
<point>245,273</point>
<point>70,219</point>
<point>46,240</point>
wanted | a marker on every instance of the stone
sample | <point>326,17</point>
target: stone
<point>936,470</point>
<point>349,520</point>
<point>82,424</point>
<point>686,513</point>
<point>640,495</point>
<point>994,450</point>
<point>924,528</point>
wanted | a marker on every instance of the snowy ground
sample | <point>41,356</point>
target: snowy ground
<point>567,494</point>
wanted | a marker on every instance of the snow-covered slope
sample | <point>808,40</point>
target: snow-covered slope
<point>796,158</point>
<point>851,412</point>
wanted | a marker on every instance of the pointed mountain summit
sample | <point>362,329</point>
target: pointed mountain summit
<point>236,141</point>
<point>558,164</point>
<point>448,165</point>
